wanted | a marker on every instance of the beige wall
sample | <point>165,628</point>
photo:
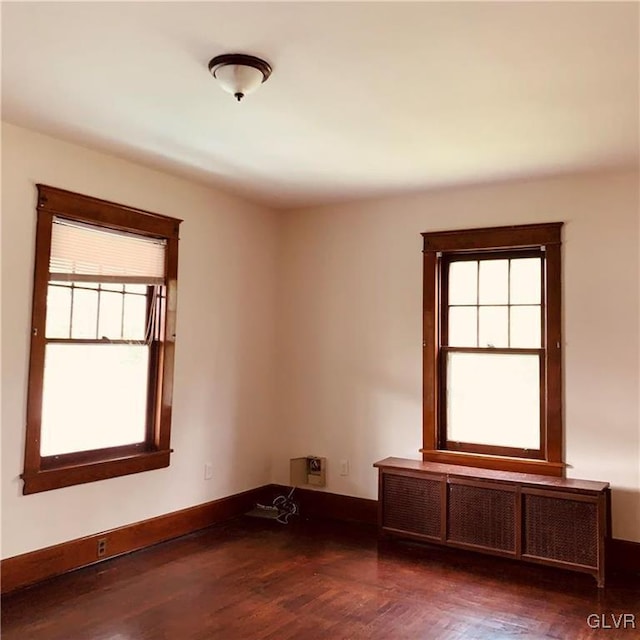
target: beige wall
<point>224,393</point>
<point>349,329</point>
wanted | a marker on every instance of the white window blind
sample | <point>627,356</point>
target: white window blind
<point>82,252</point>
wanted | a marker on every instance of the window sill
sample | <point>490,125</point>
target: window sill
<point>500,463</point>
<point>66,476</point>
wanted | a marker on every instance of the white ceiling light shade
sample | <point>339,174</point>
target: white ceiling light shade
<point>238,73</point>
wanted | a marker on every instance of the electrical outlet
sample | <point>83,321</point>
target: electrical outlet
<point>344,467</point>
<point>208,471</point>
<point>102,547</point>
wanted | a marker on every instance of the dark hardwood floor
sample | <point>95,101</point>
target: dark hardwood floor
<point>253,579</point>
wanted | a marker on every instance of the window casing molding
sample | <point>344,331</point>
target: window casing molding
<point>42,473</point>
<point>442,246</point>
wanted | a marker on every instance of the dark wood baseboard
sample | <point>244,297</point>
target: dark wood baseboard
<point>29,568</point>
<point>623,556</point>
<point>333,506</point>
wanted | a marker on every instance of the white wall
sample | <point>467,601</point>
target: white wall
<point>224,391</point>
<point>350,313</point>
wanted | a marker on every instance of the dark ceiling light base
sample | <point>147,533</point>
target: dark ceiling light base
<point>239,73</point>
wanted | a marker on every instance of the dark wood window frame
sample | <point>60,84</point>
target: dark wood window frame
<point>441,247</point>
<point>42,473</point>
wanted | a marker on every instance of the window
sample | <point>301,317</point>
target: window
<point>102,341</point>
<point>492,348</point>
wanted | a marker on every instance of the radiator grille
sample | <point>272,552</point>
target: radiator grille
<point>482,516</point>
<point>411,504</point>
<point>561,529</point>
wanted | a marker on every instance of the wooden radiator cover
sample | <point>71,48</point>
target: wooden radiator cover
<point>554,521</point>
<point>413,504</point>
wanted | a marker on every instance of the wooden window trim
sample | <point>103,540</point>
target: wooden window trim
<point>52,472</point>
<point>468,241</point>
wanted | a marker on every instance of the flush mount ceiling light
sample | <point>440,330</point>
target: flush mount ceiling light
<point>239,74</point>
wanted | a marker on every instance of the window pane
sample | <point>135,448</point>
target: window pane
<point>84,318</point>
<point>110,321</point>
<point>525,327</point>
<point>494,399</point>
<point>463,282</point>
<point>58,312</point>
<point>494,327</point>
<point>135,317</point>
<point>463,327</point>
<point>111,286</point>
<point>94,396</point>
<point>525,281</point>
<point>494,282</point>
<point>136,288</point>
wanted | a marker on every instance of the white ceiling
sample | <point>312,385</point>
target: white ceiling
<point>365,98</point>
